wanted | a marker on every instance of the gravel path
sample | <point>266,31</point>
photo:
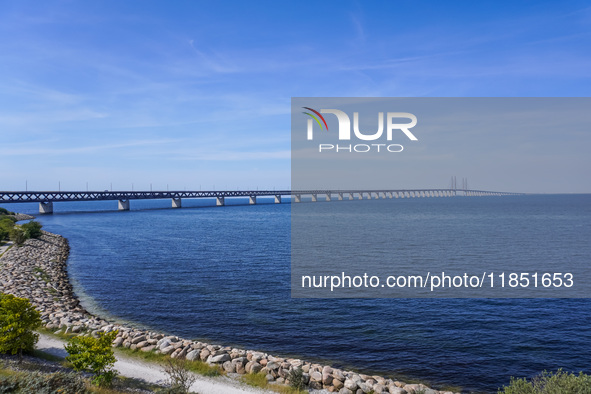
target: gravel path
<point>152,373</point>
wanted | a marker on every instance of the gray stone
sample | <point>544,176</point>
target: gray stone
<point>396,390</point>
<point>138,339</point>
<point>350,384</point>
<point>366,388</point>
<point>167,350</point>
<point>315,376</point>
<point>193,355</point>
<point>229,367</point>
<point>141,344</point>
<point>219,359</point>
<point>255,367</point>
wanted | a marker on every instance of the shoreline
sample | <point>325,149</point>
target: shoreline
<point>38,271</point>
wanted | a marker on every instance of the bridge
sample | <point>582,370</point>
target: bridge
<point>47,198</point>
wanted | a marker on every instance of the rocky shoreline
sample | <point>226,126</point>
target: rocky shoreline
<point>38,271</point>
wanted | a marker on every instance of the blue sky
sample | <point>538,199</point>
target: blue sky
<point>196,94</point>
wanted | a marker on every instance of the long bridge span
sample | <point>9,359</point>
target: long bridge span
<point>47,198</point>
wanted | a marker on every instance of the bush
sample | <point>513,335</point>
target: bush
<point>6,224</point>
<point>17,235</point>
<point>550,383</point>
<point>43,383</point>
<point>180,378</point>
<point>32,229</point>
<point>87,353</point>
<point>18,319</point>
<point>3,234</point>
<point>296,379</point>
<point>4,211</point>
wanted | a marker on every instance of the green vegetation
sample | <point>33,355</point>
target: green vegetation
<point>559,382</point>
<point>260,380</point>
<point>38,382</point>
<point>18,319</point>
<point>198,367</point>
<point>296,379</point>
<point>6,224</point>
<point>3,212</point>
<point>37,379</point>
<point>87,353</point>
<point>32,229</point>
<point>18,234</point>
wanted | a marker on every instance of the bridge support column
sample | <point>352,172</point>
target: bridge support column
<point>278,199</point>
<point>351,197</point>
<point>298,198</point>
<point>314,197</point>
<point>252,200</point>
<point>220,201</point>
<point>389,194</point>
<point>123,205</point>
<point>176,203</point>
<point>340,196</point>
<point>46,207</point>
<point>328,197</point>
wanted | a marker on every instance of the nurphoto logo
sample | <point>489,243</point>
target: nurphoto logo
<point>344,131</point>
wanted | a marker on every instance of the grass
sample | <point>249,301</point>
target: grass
<point>260,380</point>
<point>198,367</point>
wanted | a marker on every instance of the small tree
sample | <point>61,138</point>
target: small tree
<point>180,378</point>
<point>17,235</point>
<point>87,353</point>
<point>296,378</point>
<point>32,229</point>
<point>18,320</point>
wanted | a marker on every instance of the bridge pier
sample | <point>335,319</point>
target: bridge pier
<point>252,200</point>
<point>340,196</point>
<point>176,203</point>
<point>45,207</point>
<point>314,197</point>
<point>123,205</point>
<point>220,201</point>
<point>328,197</point>
<point>351,197</point>
<point>298,198</point>
<point>278,199</point>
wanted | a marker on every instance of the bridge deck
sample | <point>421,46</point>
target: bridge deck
<point>57,196</point>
